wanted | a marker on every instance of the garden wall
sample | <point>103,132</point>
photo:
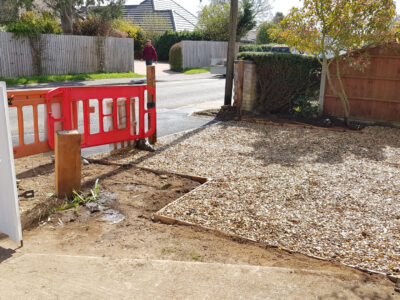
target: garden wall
<point>249,96</point>
<point>197,54</point>
<point>374,95</point>
<point>50,54</point>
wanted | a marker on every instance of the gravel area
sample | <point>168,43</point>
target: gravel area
<point>321,193</point>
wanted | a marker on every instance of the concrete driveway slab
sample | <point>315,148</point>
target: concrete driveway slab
<point>47,276</point>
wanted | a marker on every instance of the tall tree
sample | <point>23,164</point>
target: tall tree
<point>264,34</point>
<point>278,18</point>
<point>9,9</point>
<point>261,8</point>
<point>332,29</point>
<point>214,19</point>
<point>68,10</point>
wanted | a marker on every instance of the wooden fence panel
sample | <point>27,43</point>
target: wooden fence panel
<point>374,95</point>
<point>199,53</point>
<point>15,56</point>
<point>68,54</point>
<point>115,49</point>
<point>63,54</point>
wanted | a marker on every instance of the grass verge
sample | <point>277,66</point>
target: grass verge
<point>69,77</point>
<point>196,71</point>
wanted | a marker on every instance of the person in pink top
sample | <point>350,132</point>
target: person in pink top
<point>149,53</point>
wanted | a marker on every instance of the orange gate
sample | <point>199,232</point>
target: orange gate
<point>20,101</point>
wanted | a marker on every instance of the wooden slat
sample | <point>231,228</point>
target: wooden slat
<point>384,78</point>
<point>366,98</point>
<point>239,91</point>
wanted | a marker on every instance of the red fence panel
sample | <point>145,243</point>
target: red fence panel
<point>68,118</point>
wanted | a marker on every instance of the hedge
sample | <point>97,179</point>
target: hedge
<point>175,57</point>
<point>165,41</point>
<point>282,79</point>
<point>256,48</point>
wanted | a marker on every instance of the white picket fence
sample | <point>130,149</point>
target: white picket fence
<point>197,54</point>
<point>50,54</point>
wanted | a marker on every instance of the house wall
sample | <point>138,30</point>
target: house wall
<point>50,54</point>
<point>374,95</point>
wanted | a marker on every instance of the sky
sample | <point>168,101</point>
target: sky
<point>277,5</point>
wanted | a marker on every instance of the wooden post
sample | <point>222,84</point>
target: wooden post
<point>151,81</point>
<point>67,152</point>
<point>239,90</point>
<point>231,52</point>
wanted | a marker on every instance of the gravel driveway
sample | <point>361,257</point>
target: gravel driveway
<point>325,194</point>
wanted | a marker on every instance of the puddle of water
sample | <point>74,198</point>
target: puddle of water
<point>113,216</point>
<point>107,198</point>
<point>130,187</point>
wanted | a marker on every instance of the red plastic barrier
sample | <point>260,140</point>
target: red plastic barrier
<point>69,113</point>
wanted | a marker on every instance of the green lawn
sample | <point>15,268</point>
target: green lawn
<point>196,71</point>
<point>69,77</point>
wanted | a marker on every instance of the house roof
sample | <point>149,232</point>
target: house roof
<point>160,15</point>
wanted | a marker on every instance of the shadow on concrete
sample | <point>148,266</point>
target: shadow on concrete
<point>170,72</point>
<point>359,293</point>
<point>5,253</point>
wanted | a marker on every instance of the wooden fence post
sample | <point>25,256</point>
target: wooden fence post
<point>67,152</point>
<point>239,89</point>
<point>151,82</point>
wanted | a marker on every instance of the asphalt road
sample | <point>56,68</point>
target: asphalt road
<point>178,96</point>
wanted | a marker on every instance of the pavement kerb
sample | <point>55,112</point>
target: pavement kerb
<point>144,260</point>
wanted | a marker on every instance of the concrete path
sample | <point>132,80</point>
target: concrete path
<point>44,276</point>
<point>162,68</point>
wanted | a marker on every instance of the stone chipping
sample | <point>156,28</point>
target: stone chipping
<point>326,194</point>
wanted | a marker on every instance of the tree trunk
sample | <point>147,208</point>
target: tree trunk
<point>322,87</point>
<point>67,18</point>
<point>343,98</point>
<point>231,52</point>
<point>341,95</point>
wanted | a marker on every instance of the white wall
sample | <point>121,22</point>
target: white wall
<point>10,222</point>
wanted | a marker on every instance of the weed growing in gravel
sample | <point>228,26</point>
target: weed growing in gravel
<point>79,199</point>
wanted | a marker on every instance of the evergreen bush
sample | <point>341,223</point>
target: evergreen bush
<point>256,48</point>
<point>28,24</point>
<point>175,57</point>
<point>282,79</point>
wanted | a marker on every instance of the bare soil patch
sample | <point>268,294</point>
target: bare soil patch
<point>138,195</point>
